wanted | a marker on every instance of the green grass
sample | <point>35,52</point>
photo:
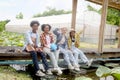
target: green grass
<point>8,73</point>
<point>89,45</point>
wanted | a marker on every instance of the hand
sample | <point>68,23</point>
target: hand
<point>35,46</point>
<point>39,49</point>
<point>31,45</point>
<point>77,45</point>
<point>69,49</point>
<point>36,49</point>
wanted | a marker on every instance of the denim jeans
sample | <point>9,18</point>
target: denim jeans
<point>68,56</point>
<point>78,53</point>
<point>35,60</point>
<point>54,56</point>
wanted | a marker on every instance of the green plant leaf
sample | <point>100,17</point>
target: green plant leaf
<point>112,65</point>
<point>83,78</point>
<point>103,71</point>
<point>11,39</point>
<point>116,73</point>
<point>20,44</point>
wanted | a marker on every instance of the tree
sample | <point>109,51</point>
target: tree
<point>90,8</point>
<point>2,24</point>
<point>51,11</point>
<point>19,16</point>
<point>113,16</point>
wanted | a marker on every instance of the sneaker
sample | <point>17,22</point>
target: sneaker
<point>59,71</point>
<point>70,67</point>
<point>49,72</point>
<point>89,62</point>
<point>76,67</point>
<point>40,73</point>
<point>54,69</point>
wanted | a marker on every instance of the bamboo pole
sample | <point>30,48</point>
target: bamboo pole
<point>74,10</point>
<point>102,26</point>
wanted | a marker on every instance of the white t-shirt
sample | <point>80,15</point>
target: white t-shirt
<point>73,42</point>
<point>33,35</point>
<point>48,41</point>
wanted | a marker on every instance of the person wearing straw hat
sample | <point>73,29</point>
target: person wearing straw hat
<point>73,45</point>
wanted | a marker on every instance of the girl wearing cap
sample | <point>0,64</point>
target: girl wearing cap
<point>47,42</point>
<point>61,41</point>
<point>73,45</point>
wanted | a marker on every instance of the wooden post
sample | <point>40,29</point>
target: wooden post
<point>102,26</point>
<point>118,37</point>
<point>74,10</point>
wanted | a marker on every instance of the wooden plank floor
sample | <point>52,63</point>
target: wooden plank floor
<point>90,52</point>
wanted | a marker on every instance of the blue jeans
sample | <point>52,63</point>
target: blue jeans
<point>68,56</point>
<point>35,60</point>
<point>53,56</point>
<point>78,53</point>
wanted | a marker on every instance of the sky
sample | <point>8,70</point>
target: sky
<point>10,8</point>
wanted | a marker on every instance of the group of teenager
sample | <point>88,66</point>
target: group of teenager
<point>46,44</point>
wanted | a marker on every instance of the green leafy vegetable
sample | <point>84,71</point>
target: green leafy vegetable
<point>83,78</point>
<point>116,73</point>
<point>103,71</point>
<point>11,39</point>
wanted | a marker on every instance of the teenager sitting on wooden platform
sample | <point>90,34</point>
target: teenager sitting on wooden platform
<point>73,45</point>
<point>31,46</point>
<point>62,44</point>
<point>47,40</point>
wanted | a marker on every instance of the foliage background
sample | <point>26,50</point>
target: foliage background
<point>113,15</point>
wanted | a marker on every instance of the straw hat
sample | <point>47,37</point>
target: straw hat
<point>72,30</point>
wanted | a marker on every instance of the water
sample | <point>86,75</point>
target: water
<point>71,76</point>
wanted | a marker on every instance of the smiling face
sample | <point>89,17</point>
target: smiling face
<point>46,29</point>
<point>35,27</point>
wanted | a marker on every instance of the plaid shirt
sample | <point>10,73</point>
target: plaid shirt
<point>43,39</point>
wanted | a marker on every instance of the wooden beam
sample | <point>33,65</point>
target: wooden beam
<point>102,26</point>
<point>111,4</point>
<point>74,10</point>
<point>89,52</point>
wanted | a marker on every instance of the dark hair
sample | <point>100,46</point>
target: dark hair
<point>44,25</point>
<point>34,22</point>
<point>70,35</point>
